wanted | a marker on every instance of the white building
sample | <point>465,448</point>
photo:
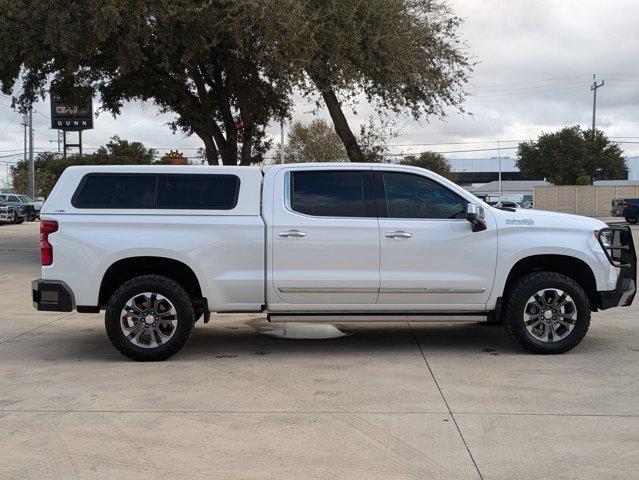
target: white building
<point>485,170</point>
<point>520,191</point>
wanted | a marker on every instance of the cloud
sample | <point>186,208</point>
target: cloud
<point>535,66</point>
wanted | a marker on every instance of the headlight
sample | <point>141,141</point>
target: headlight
<point>605,237</point>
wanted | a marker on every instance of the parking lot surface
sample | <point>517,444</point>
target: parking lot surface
<point>391,401</point>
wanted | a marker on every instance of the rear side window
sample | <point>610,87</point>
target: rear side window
<point>337,193</point>
<point>116,191</point>
<point>186,191</point>
<point>215,192</point>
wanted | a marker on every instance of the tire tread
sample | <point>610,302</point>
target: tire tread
<point>123,346</point>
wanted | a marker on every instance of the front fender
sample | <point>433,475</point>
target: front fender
<point>518,243</point>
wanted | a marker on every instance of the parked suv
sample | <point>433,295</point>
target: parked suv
<point>159,247</point>
<point>6,214</point>
<point>630,209</point>
<point>30,207</point>
<point>18,212</point>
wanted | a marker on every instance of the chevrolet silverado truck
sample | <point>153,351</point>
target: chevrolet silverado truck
<point>159,247</point>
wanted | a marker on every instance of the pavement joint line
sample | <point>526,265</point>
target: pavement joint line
<point>325,412</point>
<point>410,327</point>
<point>36,328</point>
<point>238,412</point>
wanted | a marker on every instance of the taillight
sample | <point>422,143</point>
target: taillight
<point>46,249</point>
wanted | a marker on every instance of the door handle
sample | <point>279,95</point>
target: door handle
<point>398,234</point>
<point>292,233</point>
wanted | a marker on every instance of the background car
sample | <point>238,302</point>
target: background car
<point>30,208</point>
<point>617,207</point>
<point>6,214</point>
<point>19,213</point>
<point>630,209</point>
<point>508,205</point>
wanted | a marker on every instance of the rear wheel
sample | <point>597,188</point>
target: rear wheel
<point>547,313</point>
<point>149,318</point>
<point>631,219</point>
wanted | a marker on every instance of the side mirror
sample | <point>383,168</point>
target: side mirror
<point>475,215</point>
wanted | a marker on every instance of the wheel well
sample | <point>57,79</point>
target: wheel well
<point>128,268</point>
<point>572,267</point>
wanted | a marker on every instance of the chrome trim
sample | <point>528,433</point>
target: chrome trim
<point>327,290</point>
<point>376,317</point>
<point>432,290</point>
<point>398,234</point>
<point>292,233</point>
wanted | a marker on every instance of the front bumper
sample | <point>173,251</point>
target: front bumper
<point>6,215</point>
<point>623,256</point>
<point>51,296</point>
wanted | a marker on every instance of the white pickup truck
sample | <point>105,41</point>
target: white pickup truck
<point>159,247</point>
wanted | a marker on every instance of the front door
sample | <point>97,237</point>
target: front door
<point>430,257</point>
<point>325,239</point>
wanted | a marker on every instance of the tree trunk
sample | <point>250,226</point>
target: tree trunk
<point>212,157</point>
<point>341,126</point>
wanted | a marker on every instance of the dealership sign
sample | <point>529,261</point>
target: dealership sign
<point>65,116</point>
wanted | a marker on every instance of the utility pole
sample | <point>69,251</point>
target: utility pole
<point>594,88</point>
<point>282,140</point>
<point>499,160</point>
<point>25,124</point>
<point>31,192</point>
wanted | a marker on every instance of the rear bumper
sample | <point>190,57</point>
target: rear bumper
<point>51,296</point>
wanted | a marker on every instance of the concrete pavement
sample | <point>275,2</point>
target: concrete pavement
<point>391,401</point>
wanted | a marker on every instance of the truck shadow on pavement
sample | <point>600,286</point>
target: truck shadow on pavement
<point>242,342</point>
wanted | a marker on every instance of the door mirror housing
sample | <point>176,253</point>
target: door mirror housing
<point>475,215</point>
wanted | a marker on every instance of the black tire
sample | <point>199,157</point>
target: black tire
<point>19,221</point>
<point>516,301</point>
<point>170,289</point>
<point>631,220</point>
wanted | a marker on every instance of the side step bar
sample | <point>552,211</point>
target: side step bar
<point>378,317</point>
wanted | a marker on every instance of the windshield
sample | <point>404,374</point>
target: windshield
<point>25,198</point>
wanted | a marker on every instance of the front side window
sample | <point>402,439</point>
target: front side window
<point>414,196</point>
<point>334,193</point>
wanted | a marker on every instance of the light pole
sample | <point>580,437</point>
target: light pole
<point>282,140</point>
<point>499,160</point>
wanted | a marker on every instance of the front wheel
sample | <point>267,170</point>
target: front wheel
<point>149,318</point>
<point>547,313</point>
<point>632,220</point>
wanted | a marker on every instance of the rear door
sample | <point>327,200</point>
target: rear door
<point>430,257</point>
<point>325,238</point>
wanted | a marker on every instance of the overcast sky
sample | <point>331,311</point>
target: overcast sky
<point>535,65</point>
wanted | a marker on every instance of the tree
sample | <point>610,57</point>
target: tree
<point>48,166</point>
<point>195,59</point>
<point>401,55</point>
<point>119,152</point>
<point>226,68</point>
<point>433,161</point>
<point>373,140</point>
<point>571,156</point>
<point>314,142</point>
